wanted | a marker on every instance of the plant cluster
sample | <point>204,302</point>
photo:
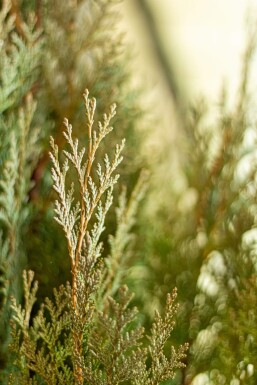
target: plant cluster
<point>84,336</point>
<point>207,245</point>
<point>201,238</point>
<point>49,52</point>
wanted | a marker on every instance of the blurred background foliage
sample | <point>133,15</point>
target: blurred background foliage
<point>197,227</point>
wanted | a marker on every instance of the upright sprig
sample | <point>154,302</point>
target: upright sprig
<point>72,340</point>
<point>163,368</point>
<point>22,150</point>
<point>95,199</point>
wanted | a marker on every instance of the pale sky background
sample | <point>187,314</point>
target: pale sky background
<point>206,37</point>
<point>209,37</point>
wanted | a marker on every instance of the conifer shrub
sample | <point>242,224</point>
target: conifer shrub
<point>205,241</point>
<point>49,52</point>
<point>202,239</point>
<point>89,333</point>
<point>19,152</point>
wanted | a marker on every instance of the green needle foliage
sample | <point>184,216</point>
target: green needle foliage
<point>82,49</point>
<point>202,240</point>
<point>50,52</point>
<point>19,152</point>
<point>73,340</point>
<point>207,244</point>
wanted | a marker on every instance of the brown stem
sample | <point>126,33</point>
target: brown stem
<point>78,336</point>
<point>78,343</point>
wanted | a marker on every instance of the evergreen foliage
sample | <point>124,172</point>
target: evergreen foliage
<point>202,239</point>
<point>70,340</point>
<point>50,51</point>
<point>93,58</point>
<point>207,246</point>
<point>19,151</point>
